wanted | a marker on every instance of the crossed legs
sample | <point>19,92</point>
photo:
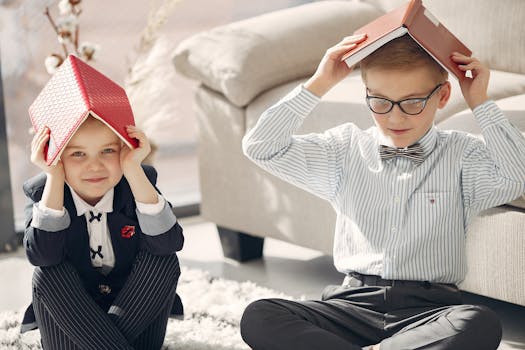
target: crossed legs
<point>69,318</point>
<point>353,318</point>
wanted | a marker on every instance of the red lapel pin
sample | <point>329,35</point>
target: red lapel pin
<point>432,201</point>
<point>127,231</point>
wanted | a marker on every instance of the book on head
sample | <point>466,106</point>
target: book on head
<point>417,21</point>
<point>75,92</point>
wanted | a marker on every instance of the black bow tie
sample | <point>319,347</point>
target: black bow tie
<point>93,217</point>
<point>414,152</point>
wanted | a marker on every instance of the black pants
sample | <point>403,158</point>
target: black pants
<point>403,315</point>
<point>68,318</point>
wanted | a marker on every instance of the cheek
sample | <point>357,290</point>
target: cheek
<point>113,165</point>
<point>379,121</point>
<point>71,171</point>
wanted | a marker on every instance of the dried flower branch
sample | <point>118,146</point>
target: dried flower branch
<point>149,73</point>
<point>68,32</point>
<point>156,19</point>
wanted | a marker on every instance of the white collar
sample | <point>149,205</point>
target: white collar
<point>104,205</point>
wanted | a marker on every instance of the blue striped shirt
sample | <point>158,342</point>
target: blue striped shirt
<point>394,219</point>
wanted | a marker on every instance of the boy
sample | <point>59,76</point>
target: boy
<point>403,192</point>
<point>104,241</point>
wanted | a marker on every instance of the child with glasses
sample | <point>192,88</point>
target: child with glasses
<point>404,193</point>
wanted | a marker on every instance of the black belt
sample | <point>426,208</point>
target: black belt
<point>373,280</point>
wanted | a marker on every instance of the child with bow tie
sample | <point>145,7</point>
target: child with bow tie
<point>103,240</point>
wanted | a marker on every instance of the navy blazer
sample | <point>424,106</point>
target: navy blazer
<point>45,248</point>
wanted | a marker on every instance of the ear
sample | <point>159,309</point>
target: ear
<point>444,94</point>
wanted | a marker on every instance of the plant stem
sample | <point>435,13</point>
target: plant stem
<point>48,15</point>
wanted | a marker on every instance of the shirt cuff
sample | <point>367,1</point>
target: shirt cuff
<point>488,114</point>
<point>301,101</point>
<point>159,223</point>
<point>151,209</point>
<point>48,219</point>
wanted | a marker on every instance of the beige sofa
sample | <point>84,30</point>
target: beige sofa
<point>245,67</point>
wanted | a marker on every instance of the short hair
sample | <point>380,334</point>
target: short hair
<point>402,53</point>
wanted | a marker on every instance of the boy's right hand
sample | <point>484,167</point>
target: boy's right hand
<point>38,158</point>
<point>332,70</point>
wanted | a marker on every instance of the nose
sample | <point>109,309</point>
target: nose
<point>94,164</point>
<point>396,115</point>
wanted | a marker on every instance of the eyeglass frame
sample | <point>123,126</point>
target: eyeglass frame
<point>398,103</point>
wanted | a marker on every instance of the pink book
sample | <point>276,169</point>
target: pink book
<point>75,92</point>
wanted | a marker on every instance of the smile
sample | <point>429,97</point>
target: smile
<point>95,179</point>
<point>399,131</point>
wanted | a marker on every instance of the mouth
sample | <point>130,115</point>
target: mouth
<point>399,131</point>
<point>95,180</point>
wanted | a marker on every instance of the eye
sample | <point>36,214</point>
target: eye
<point>78,154</point>
<point>108,151</point>
<point>379,105</point>
<point>414,102</point>
<point>413,105</point>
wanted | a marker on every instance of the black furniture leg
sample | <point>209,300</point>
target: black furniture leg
<point>240,246</point>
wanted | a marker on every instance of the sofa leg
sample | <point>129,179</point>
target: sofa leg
<point>240,246</point>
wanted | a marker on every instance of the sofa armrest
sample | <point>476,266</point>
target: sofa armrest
<point>244,58</point>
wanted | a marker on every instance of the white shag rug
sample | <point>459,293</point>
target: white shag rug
<point>213,308</point>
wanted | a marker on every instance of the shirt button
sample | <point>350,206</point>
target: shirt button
<point>397,199</point>
<point>104,289</point>
<point>394,229</point>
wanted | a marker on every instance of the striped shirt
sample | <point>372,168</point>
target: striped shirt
<point>395,219</point>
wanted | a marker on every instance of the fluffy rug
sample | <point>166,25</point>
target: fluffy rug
<point>213,308</point>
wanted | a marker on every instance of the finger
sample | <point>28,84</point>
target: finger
<point>336,50</point>
<point>133,128</point>
<point>38,135</point>
<point>459,58</point>
<point>356,38</point>
<point>38,140</point>
<point>476,65</point>
<point>139,135</point>
<point>42,143</point>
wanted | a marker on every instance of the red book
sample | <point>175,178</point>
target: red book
<point>412,18</point>
<point>75,92</point>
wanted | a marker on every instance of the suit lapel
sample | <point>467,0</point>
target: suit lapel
<point>123,212</point>
<point>79,235</point>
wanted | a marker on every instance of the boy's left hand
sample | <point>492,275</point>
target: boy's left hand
<point>131,158</point>
<point>474,89</point>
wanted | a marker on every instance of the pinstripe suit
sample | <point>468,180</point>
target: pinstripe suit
<point>76,306</point>
<point>396,220</point>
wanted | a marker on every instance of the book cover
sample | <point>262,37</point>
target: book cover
<point>416,20</point>
<point>73,93</point>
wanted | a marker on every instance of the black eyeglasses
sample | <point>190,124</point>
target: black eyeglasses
<point>410,106</point>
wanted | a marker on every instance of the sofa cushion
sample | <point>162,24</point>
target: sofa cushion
<point>244,58</point>
<point>344,103</point>
<point>501,85</point>
<point>513,109</point>
<point>495,255</point>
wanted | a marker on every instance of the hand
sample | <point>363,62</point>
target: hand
<point>474,89</point>
<point>131,158</point>
<point>38,158</point>
<point>331,69</point>
<point>53,194</point>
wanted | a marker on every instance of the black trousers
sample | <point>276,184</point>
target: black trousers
<point>397,314</point>
<point>68,317</point>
